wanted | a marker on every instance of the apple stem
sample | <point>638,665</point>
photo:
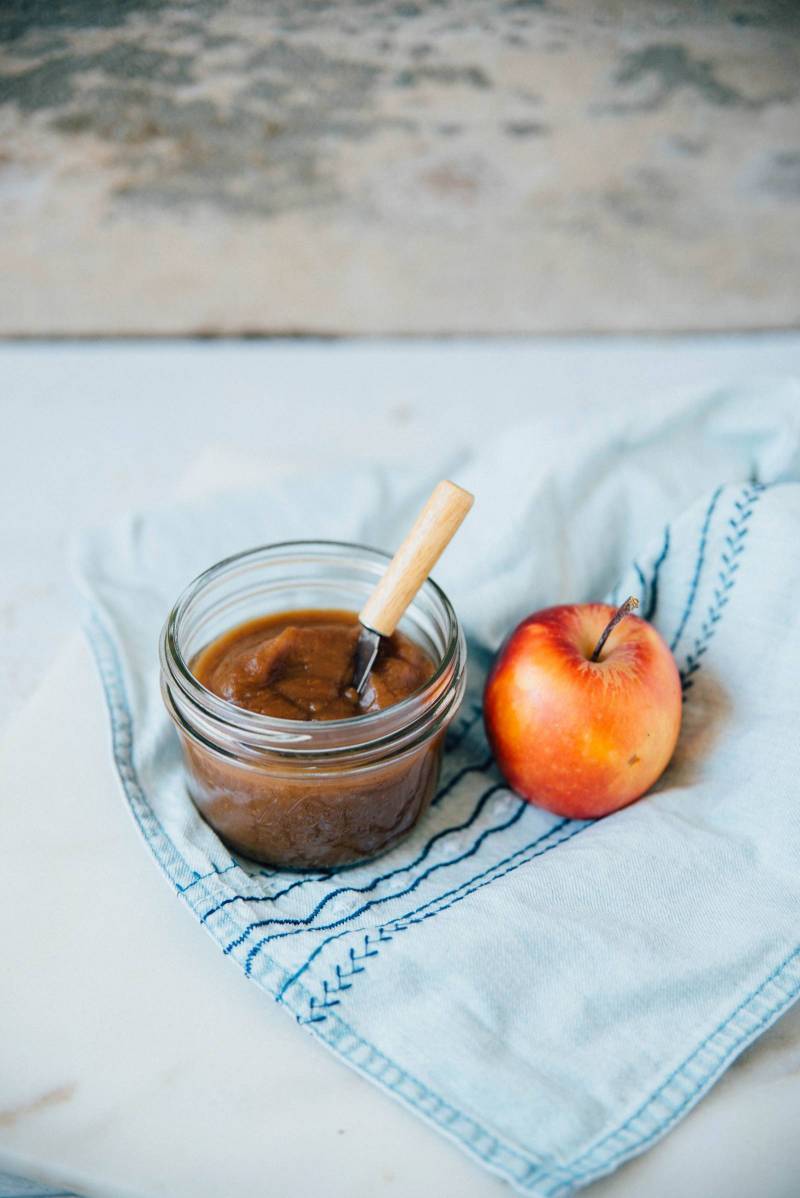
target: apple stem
<point>630,604</point>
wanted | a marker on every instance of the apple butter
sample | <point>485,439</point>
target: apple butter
<point>282,758</point>
<point>298,665</point>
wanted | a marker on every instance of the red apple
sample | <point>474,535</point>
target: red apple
<point>580,722</point>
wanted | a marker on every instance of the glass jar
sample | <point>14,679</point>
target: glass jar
<point>300,793</point>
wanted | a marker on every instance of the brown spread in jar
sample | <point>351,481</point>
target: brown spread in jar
<point>298,665</point>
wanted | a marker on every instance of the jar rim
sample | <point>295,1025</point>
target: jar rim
<point>274,733</point>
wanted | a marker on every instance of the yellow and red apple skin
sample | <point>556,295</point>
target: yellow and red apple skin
<point>578,737</point>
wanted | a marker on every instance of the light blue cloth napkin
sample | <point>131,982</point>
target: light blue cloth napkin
<point>551,994</point>
<point>17,1187</point>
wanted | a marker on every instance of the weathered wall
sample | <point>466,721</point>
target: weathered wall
<point>466,165</point>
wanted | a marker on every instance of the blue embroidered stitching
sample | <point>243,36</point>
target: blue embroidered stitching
<point>326,927</point>
<point>642,579</point>
<point>659,562</point>
<point>306,921</point>
<point>263,898</point>
<point>701,554</point>
<point>343,975</point>
<point>212,873</point>
<point>479,767</point>
<point>403,922</point>
<point>482,767</point>
<point>726,580</point>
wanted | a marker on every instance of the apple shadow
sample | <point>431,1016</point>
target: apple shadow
<point>706,711</point>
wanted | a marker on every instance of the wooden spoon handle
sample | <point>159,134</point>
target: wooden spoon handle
<point>432,532</point>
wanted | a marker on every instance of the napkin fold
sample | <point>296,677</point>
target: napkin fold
<point>551,994</point>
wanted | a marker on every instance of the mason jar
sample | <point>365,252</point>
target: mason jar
<point>306,794</point>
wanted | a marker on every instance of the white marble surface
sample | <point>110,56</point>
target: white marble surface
<point>134,1061</point>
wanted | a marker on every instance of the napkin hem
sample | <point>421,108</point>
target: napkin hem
<point>699,1071</point>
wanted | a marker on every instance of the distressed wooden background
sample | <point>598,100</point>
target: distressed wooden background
<point>457,166</point>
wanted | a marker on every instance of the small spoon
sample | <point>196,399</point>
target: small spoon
<point>432,532</point>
